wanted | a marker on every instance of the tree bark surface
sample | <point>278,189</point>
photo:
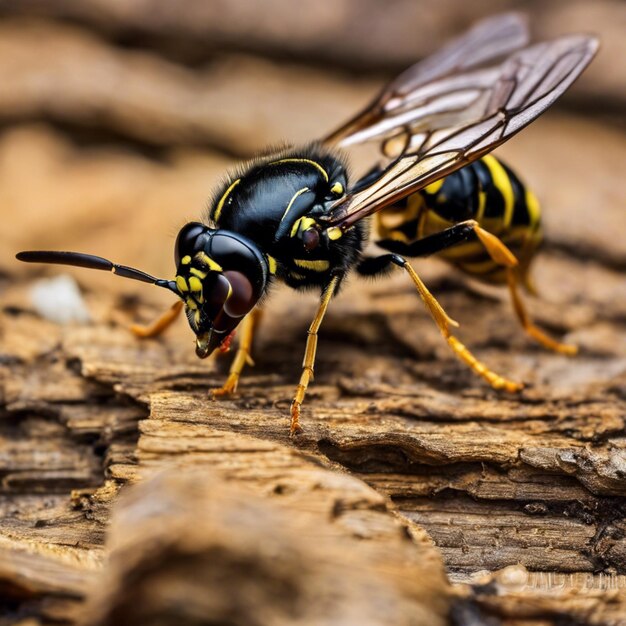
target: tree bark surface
<point>415,494</point>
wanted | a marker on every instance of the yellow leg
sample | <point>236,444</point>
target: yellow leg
<point>502,255</point>
<point>527,324</point>
<point>444,322</point>
<point>160,324</point>
<point>242,357</point>
<point>309,356</point>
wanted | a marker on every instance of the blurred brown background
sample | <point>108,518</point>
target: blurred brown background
<point>117,119</point>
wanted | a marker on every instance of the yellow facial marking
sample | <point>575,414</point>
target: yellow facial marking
<point>209,262</point>
<point>271,261</point>
<point>334,233</point>
<point>337,189</point>
<point>297,276</point>
<point>220,205</point>
<point>196,318</point>
<point>503,184</point>
<point>190,302</point>
<point>196,272</point>
<point>295,228</point>
<point>181,284</point>
<point>313,163</point>
<point>301,225</point>
<point>316,266</point>
<point>433,188</point>
<point>186,260</point>
<point>293,199</point>
<point>195,284</point>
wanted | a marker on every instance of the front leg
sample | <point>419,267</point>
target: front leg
<point>242,357</point>
<point>309,354</point>
<point>159,325</point>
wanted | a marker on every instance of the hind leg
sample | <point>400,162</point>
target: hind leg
<point>503,256</point>
<point>379,265</point>
<point>499,253</point>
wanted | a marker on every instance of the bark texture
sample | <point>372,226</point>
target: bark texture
<point>416,494</point>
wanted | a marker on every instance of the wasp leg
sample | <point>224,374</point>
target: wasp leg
<point>432,243</point>
<point>502,255</point>
<point>498,251</point>
<point>309,355</point>
<point>443,321</point>
<point>160,324</point>
<point>242,357</point>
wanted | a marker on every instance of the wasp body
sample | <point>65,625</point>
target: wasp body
<point>277,204</point>
<point>295,217</point>
<point>487,191</point>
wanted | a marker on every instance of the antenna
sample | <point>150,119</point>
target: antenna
<point>90,261</point>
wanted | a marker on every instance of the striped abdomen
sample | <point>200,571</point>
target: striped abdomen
<point>487,191</point>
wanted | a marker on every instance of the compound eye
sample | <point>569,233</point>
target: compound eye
<point>242,297</point>
<point>311,239</point>
<point>186,240</point>
<point>215,295</point>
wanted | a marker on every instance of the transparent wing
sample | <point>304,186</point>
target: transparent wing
<point>487,41</point>
<point>512,95</point>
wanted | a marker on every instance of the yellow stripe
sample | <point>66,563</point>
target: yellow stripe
<point>293,199</point>
<point>421,224</point>
<point>195,284</point>
<point>392,219</point>
<point>316,266</point>
<point>220,205</point>
<point>334,233</point>
<point>271,261</point>
<point>503,184</point>
<point>297,276</point>
<point>181,284</point>
<point>186,260</point>
<point>337,189</point>
<point>198,273</point>
<point>534,210</point>
<point>313,163</point>
<point>433,188</point>
<point>209,262</point>
<point>482,203</point>
<point>301,224</point>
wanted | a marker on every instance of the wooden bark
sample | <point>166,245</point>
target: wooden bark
<point>336,34</point>
<point>502,484</point>
<point>415,494</point>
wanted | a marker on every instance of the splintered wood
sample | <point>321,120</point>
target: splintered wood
<point>522,495</point>
<point>416,495</point>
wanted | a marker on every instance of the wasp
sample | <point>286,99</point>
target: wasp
<point>294,216</point>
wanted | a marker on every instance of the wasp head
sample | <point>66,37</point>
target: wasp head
<point>220,277</point>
